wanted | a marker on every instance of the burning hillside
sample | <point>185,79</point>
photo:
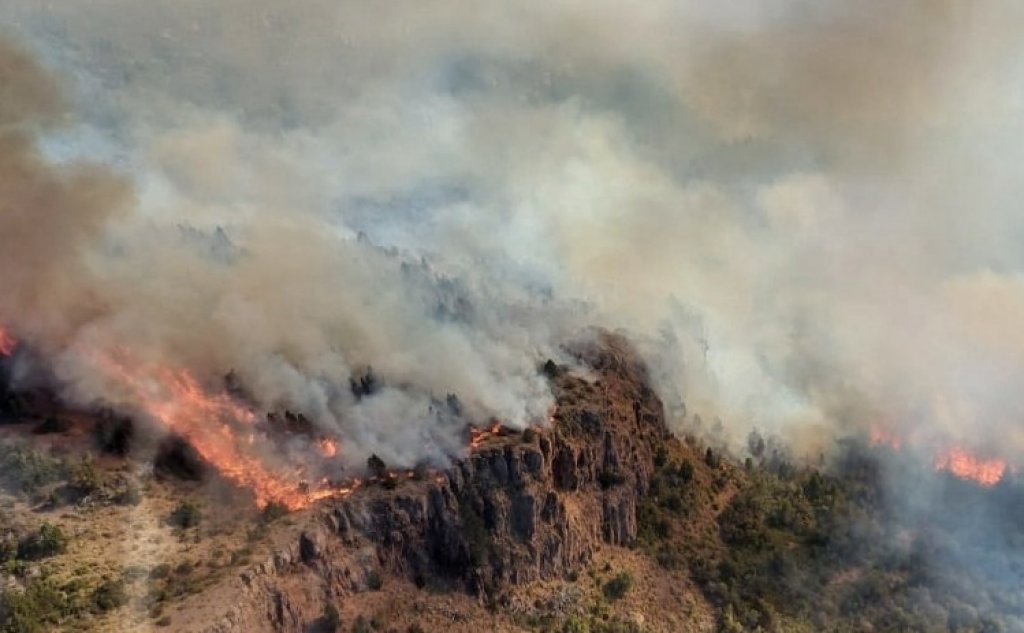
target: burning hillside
<point>331,244</point>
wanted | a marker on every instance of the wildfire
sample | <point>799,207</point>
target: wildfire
<point>7,342</point>
<point>209,422</point>
<point>479,436</point>
<point>962,464</point>
<point>957,460</point>
<point>223,431</point>
<point>882,437</point>
<point>328,447</point>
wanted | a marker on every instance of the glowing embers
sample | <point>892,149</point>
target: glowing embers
<point>7,342</point>
<point>962,464</point>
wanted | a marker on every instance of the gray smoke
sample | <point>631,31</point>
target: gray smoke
<point>806,211</point>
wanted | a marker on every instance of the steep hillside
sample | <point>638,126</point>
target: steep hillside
<point>601,522</point>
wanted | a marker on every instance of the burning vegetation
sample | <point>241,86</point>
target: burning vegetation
<point>955,460</point>
<point>962,464</point>
<point>225,434</point>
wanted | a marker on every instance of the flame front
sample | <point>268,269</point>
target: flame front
<point>223,431</point>
<point>209,422</point>
<point>479,436</point>
<point>7,342</point>
<point>962,464</point>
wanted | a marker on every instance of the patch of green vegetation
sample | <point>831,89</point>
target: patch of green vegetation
<point>109,595</point>
<point>804,549</point>
<point>42,605</point>
<point>84,479</point>
<point>48,541</point>
<point>619,586</point>
<point>186,515</point>
<point>28,471</point>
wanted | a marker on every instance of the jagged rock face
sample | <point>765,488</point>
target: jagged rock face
<point>522,507</point>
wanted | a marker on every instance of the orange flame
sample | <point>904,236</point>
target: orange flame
<point>479,436</point>
<point>209,422</point>
<point>962,464</point>
<point>7,342</point>
<point>883,437</point>
<point>328,447</point>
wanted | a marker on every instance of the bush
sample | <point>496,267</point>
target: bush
<point>85,479</point>
<point>374,581</point>
<point>619,586</point>
<point>711,458</point>
<point>40,607</point>
<point>686,471</point>
<point>376,466</point>
<point>48,541</point>
<point>163,570</point>
<point>330,621</point>
<point>27,470</point>
<point>273,511</point>
<point>130,495</point>
<point>185,515</point>
<point>361,625</point>
<point>51,425</point>
<point>109,595</point>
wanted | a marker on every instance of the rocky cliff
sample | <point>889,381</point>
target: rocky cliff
<point>522,507</point>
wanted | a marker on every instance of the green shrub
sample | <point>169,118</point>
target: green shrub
<point>27,471</point>
<point>374,581</point>
<point>686,471</point>
<point>361,625</point>
<point>48,541</point>
<point>130,495</point>
<point>186,515</point>
<point>109,595</point>
<point>84,478</point>
<point>619,586</point>
<point>330,621</point>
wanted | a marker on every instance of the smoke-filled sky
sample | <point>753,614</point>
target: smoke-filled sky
<point>806,212</point>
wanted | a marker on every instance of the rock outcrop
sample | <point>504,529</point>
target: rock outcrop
<point>522,507</point>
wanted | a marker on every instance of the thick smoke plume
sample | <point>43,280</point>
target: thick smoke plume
<point>807,211</point>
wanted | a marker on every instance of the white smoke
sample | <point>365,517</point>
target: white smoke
<point>807,210</point>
